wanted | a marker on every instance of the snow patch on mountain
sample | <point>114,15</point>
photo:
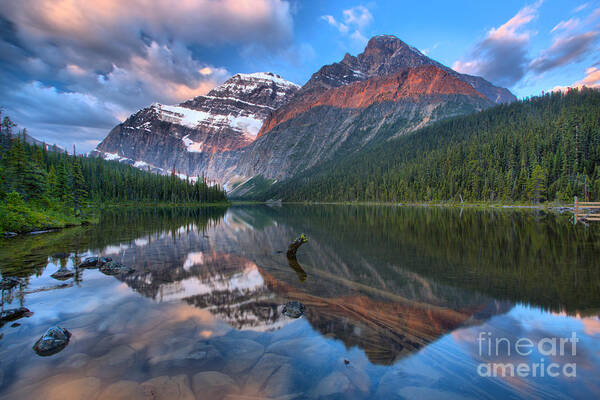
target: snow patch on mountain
<point>248,124</point>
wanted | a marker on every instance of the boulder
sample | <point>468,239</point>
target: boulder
<point>104,260</point>
<point>63,274</point>
<point>52,341</point>
<point>293,309</point>
<point>89,262</point>
<point>13,314</point>
<point>127,270</point>
<point>115,268</point>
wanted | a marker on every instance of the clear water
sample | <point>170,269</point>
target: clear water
<point>398,300</point>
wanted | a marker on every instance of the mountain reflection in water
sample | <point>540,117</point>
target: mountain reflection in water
<point>385,281</point>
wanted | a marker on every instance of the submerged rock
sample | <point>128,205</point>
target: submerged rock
<point>293,309</point>
<point>9,282</point>
<point>89,262</point>
<point>213,385</point>
<point>111,268</point>
<point>63,274</point>
<point>115,268</point>
<point>168,388</point>
<point>13,314</point>
<point>104,260</point>
<point>52,341</point>
<point>127,270</point>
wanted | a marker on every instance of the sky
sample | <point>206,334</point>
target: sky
<point>70,70</point>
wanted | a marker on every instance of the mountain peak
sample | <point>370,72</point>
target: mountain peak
<point>386,55</point>
<point>261,76</point>
<point>386,43</point>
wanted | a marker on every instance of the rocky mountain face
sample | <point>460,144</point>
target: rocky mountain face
<point>31,140</point>
<point>183,137</point>
<point>259,125</point>
<point>388,90</point>
<point>384,56</point>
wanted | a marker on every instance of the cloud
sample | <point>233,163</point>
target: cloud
<point>358,16</point>
<point>343,28</point>
<point>129,55</point>
<point>581,7</point>
<point>59,117</point>
<point>566,25</point>
<point>564,50</point>
<point>355,21</point>
<point>501,56</point>
<point>591,79</point>
<point>430,49</point>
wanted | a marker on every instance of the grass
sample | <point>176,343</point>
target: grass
<point>19,216</point>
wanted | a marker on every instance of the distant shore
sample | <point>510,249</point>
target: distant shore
<point>546,206</point>
<point>28,219</point>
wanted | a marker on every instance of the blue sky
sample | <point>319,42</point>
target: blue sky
<point>72,69</point>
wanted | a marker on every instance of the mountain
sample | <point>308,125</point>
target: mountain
<point>184,137</point>
<point>541,148</point>
<point>36,142</point>
<point>384,56</point>
<point>387,91</point>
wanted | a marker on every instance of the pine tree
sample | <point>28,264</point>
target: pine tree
<point>80,193</point>
<point>536,186</point>
<point>2,183</point>
<point>52,186</point>
<point>17,165</point>
<point>62,182</point>
<point>34,175</point>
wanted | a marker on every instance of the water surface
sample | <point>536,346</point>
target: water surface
<point>396,300</point>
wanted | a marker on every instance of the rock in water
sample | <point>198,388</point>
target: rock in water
<point>111,268</point>
<point>63,274</point>
<point>115,268</point>
<point>14,313</point>
<point>89,262</point>
<point>127,270</point>
<point>9,282</point>
<point>293,309</point>
<point>54,340</point>
<point>104,260</point>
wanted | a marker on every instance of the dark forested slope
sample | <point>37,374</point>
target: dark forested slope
<point>542,148</point>
<point>41,188</point>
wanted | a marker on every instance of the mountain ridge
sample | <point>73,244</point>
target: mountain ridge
<point>280,129</point>
<point>226,118</point>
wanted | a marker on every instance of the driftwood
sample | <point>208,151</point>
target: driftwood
<point>295,245</point>
<point>295,265</point>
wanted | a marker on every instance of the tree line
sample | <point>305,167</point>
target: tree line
<point>533,150</point>
<point>46,177</point>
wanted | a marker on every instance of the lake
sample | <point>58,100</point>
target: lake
<point>400,302</point>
